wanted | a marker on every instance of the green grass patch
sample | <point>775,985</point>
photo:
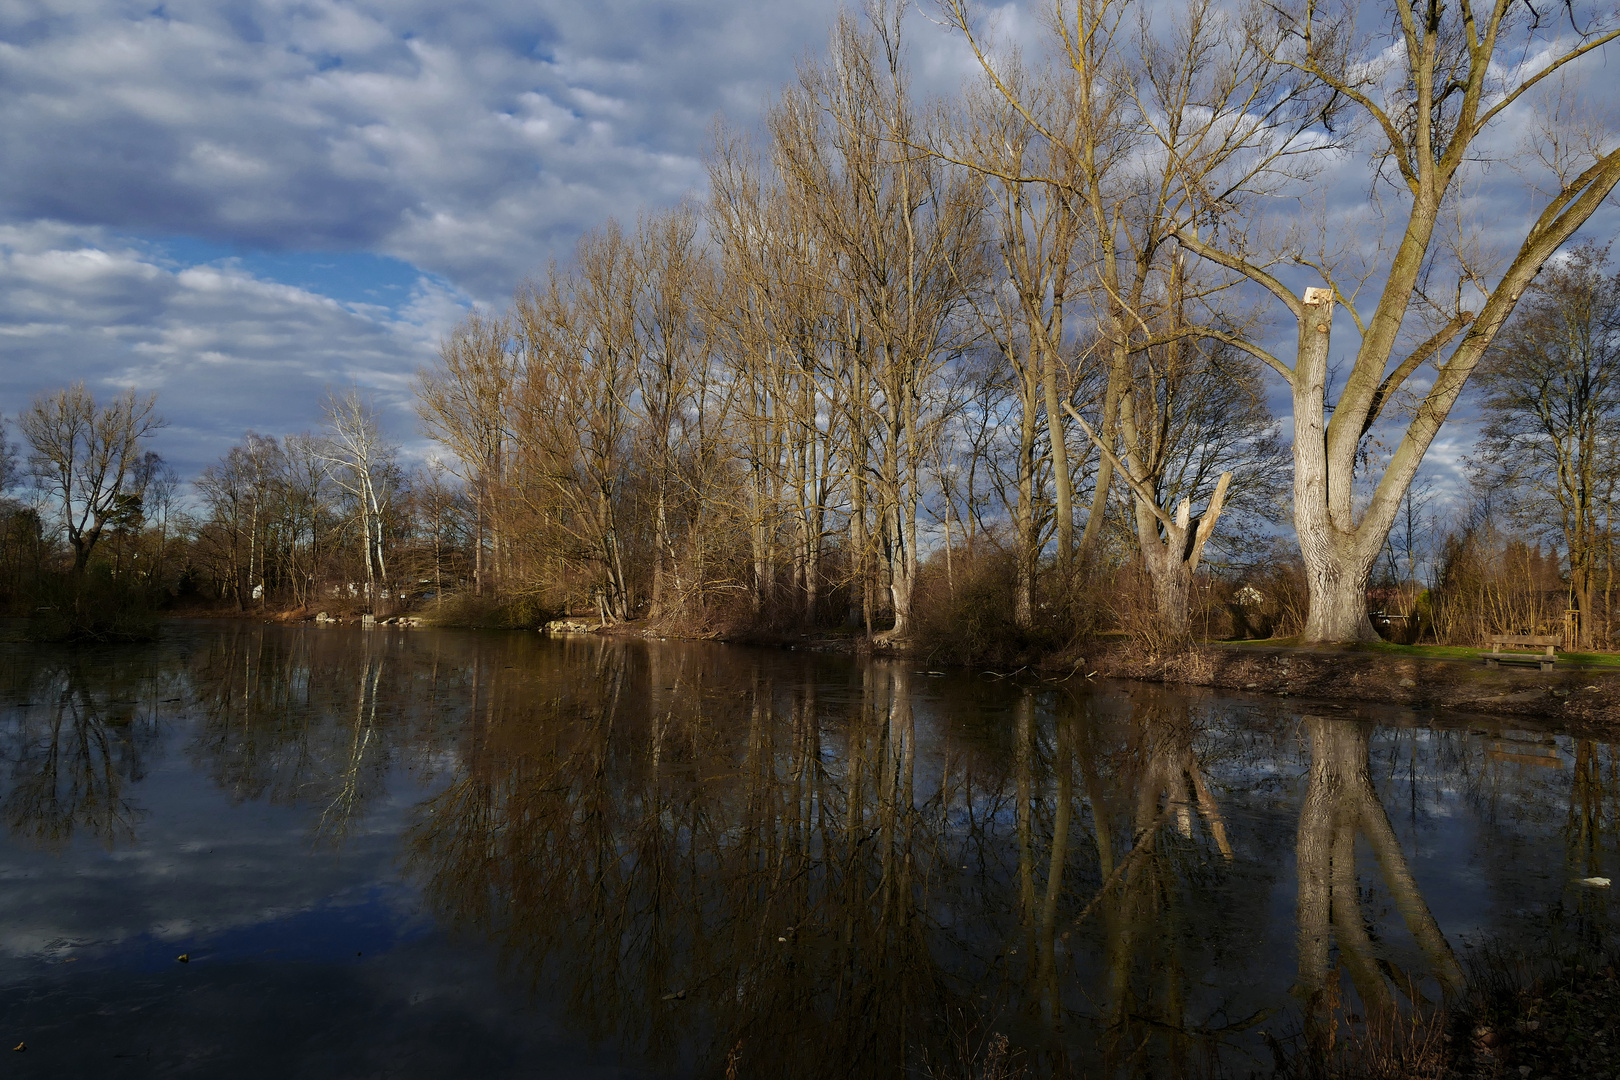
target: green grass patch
<point>1588,659</point>
<point>1390,648</point>
<point>1430,652</point>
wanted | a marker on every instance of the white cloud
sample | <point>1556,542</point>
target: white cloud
<point>223,349</point>
<point>409,129</point>
<point>472,141</point>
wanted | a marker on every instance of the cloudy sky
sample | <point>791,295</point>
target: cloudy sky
<point>240,203</point>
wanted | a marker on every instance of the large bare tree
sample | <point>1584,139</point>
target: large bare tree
<point>85,457</point>
<point>1191,129</point>
<point>1426,87</point>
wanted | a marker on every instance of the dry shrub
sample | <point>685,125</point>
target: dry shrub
<point>966,616</point>
<point>974,1052</point>
<point>1136,613</point>
<point>1395,1045</point>
<point>521,612</point>
<point>1192,665</point>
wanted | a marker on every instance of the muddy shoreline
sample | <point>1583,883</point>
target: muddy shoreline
<point>1574,698</point>
<point>1571,697</point>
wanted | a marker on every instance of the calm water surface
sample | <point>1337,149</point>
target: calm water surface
<point>436,853</point>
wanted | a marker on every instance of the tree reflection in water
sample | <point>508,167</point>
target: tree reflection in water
<point>73,743</point>
<point>308,718</point>
<point>712,871</point>
<point>708,874</point>
<point>1341,805</point>
<point>715,859</point>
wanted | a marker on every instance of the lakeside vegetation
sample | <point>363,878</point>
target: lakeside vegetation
<point>988,375</point>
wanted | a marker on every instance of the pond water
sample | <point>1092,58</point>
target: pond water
<point>438,853</point>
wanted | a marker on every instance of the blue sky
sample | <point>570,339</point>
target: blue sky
<point>240,204</point>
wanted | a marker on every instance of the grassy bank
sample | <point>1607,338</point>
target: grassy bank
<point>1429,652</point>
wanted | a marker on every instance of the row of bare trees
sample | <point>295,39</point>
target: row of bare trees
<point>898,331</point>
<point>295,521</point>
<point>862,360</point>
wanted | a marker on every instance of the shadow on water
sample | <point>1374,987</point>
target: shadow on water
<point>694,860</point>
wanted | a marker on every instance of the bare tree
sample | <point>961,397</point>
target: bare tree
<point>465,403</point>
<point>1425,108</point>
<point>240,493</point>
<point>84,456</point>
<point>903,229</point>
<point>362,464</point>
<point>308,510</point>
<point>673,347</point>
<point>783,333</point>
<point>1551,385</point>
<point>1036,234</point>
<point>574,419</point>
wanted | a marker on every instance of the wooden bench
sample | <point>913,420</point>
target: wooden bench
<point>1545,660</point>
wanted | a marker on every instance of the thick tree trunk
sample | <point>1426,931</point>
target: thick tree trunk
<point>1333,546</point>
<point>1337,583</point>
<point>1172,591</point>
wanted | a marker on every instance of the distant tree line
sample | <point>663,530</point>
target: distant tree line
<point>309,519</point>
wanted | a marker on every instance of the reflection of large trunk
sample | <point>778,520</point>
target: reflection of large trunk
<point>1146,979</point>
<point>1046,978</point>
<point>1024,782</point>
<point>1340,804</point>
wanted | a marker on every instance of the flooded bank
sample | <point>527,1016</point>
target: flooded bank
<point>439,853</point>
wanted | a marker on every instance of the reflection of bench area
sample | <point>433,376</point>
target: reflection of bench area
<point>1527,751</point>
<point>1497,642</point>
